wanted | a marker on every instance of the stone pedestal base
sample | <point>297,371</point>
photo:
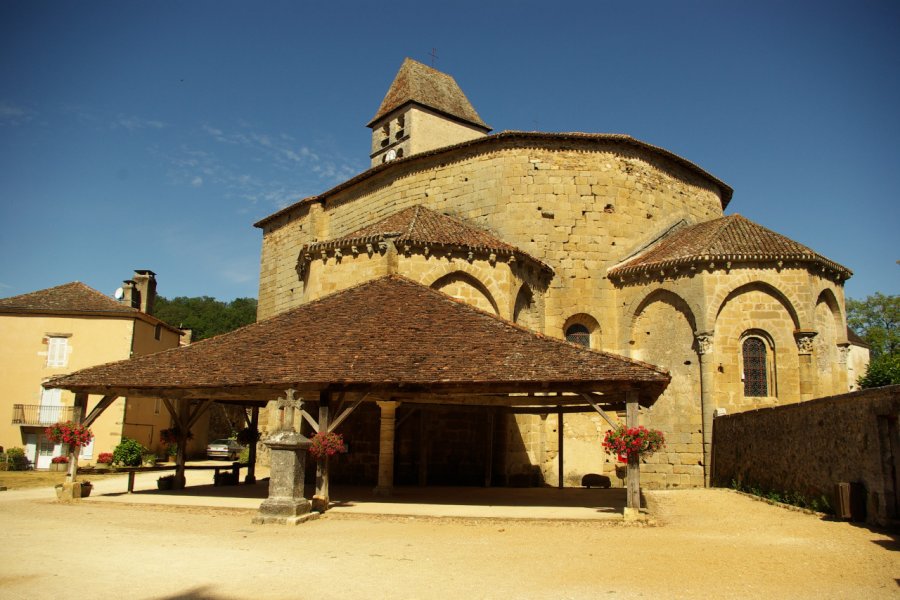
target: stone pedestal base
<point>383,490</point>
<point>67,492</point>
<point>285,511</point>
<point>286,504</point>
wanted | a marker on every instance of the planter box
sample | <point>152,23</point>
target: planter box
<point>59,466</point>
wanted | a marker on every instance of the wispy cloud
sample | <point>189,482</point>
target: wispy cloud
<point>133,123</point>
<point>10,114</point>
<point>261,168</point>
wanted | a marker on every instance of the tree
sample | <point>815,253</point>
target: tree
<point>204,315</point>
<point>876,320</point>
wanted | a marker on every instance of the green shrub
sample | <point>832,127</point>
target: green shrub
<point>128,453</point>
<point>15,459</point>
<point>883,370</point>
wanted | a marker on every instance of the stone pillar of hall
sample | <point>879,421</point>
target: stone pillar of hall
<point>385,485</point>
<point>707,398</point>
<point>806,359</point>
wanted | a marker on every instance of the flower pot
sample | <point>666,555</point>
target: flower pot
<point>86,489</point>
<point>59,466</point>
<point>164,483</point>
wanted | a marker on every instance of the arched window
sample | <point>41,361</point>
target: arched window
<point>756,367</point>
<point>578,334</point>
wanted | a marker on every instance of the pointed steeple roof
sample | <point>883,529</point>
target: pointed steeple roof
<point>420,84</point>
<point>731,238</point>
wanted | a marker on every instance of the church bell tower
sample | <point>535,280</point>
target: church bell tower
<point>424,109</point>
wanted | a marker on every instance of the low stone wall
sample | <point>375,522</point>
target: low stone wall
<point>808,447</point>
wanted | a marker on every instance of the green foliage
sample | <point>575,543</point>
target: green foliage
<point>128,453</point>
<point>883,370</point>
<point>876,320</point>
<point>204,315</point>
<point>820,504</point>
<point>15,460</point>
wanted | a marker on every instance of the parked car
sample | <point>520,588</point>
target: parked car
<point>227,449</point>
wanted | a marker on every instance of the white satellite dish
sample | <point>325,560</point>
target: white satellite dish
<point>119,293</point>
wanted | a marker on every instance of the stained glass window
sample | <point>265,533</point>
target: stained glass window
<point>756,380</point>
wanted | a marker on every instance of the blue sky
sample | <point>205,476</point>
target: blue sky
<point>152,135</point>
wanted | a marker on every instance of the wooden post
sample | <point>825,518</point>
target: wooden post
<point>423,447</point>
<point>633,496</point>
<point>385,485</point>
<point>251,460</point>
<point>320,498</point>
<point>489,450</point>
<point>182,410</point>
<point>559,442</point>
<point>79,410</point>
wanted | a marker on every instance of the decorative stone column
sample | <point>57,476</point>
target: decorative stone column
<point>843,376</point>
<point>385,485</point>
<point>707,398</point>
<point>805,349</point>
<point>288,448</point>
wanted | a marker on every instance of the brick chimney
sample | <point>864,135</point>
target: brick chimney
<point>145,283</point>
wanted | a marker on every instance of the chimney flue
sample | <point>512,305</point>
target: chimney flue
<point>145,283</point>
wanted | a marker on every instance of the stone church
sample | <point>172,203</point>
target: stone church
<point>601,239</point>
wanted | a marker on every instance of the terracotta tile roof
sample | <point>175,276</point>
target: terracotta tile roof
<point>491,143</point>
<point>421,226</point>
<point>429,87</point>
<point>72,297</point>
<point>731,238</point>
<point>390,333</point>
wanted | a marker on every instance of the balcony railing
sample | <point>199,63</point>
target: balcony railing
<point>36,414</point>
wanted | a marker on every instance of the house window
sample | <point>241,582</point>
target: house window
<point>578,334</point>
<point>57,351</point>
<point>756,367</point>
<point>158,331</point>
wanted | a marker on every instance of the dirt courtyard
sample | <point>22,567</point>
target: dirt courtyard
<point>706,544</point>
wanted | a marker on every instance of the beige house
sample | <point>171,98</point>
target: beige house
<point>601,239</point>
<point>66,328</point>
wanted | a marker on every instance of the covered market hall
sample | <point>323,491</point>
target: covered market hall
<point>386,343</point>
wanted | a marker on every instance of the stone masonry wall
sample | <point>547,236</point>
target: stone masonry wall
<point>809,447</point>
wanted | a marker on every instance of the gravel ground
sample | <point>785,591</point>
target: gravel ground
<point>704,543</point>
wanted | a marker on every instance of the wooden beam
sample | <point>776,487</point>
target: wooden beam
<point>198,411</point>
<point>174,414</point>
<point>342,416</point>
<point>101,406</point>
<point>590,400</point>
<point>309,419</point>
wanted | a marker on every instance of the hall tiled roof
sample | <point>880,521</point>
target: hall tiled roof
<point>390,333</point>
<point>731,238</point>
<point>419,83</point>
<point>420,226</point>
<point>74,297</point>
